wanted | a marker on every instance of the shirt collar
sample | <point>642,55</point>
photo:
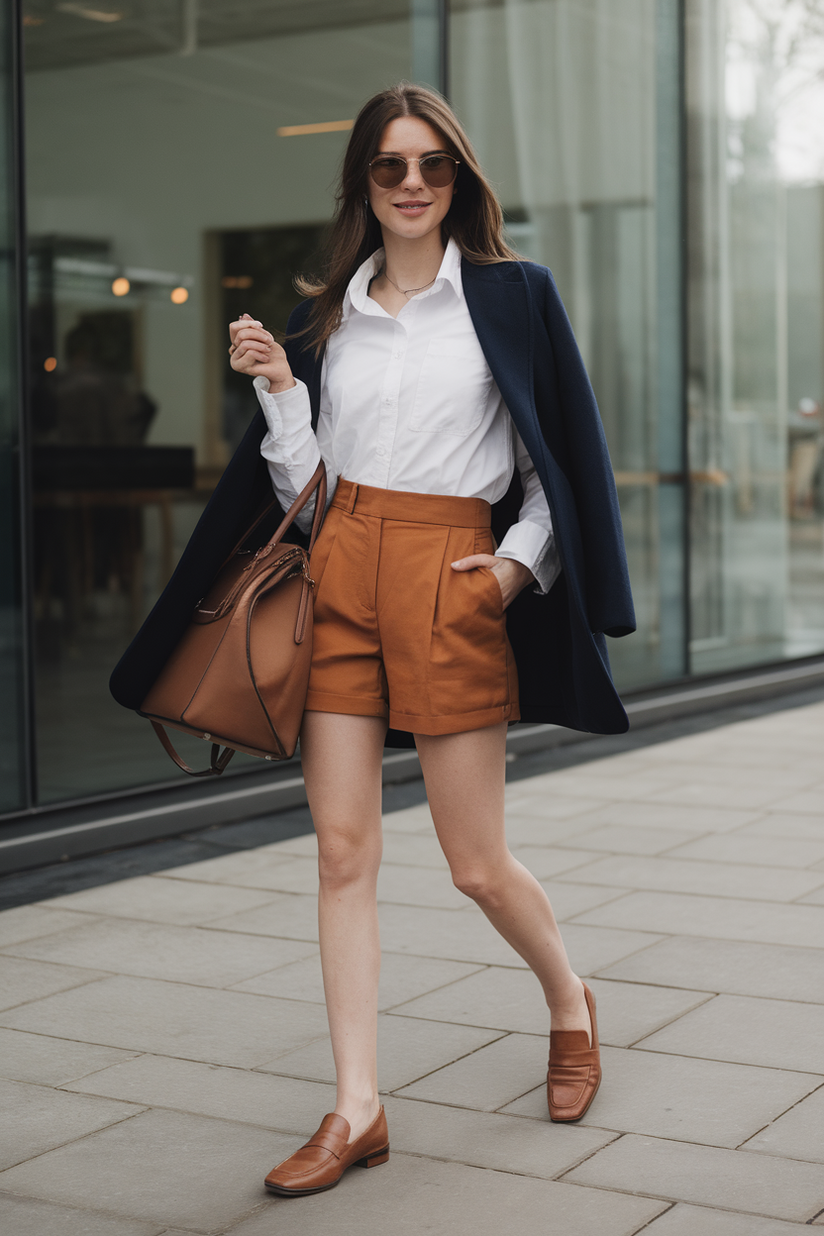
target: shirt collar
<point>356,296</point>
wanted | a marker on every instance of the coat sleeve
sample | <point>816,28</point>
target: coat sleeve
<point>588,467</point>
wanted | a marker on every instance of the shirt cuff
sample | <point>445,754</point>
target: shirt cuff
<point>533,546</point>
<point>285,407</point>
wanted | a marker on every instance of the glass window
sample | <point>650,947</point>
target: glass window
<point>574,107</point>
<point>13,778</point>
<point>181,159</point>
<point>756,325</point>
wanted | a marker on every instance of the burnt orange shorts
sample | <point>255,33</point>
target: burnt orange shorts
<point>398,633</point>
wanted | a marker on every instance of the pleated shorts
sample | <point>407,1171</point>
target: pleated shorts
<point>398,633</point>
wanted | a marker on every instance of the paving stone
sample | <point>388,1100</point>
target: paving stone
<point>402,978</point>
<point>783,824</point>
<point>418,1195</point>
<point>807,802</point>
<point>538,830</point>
<point>547,862</point>
<point>286,1104</point>
<point>257,868</point>
<point>24,1216</point>
<point>777,1033</point>
<point>632,839</point>
<point>289,916</point>
<point>797,1134</point>
<point>513,1000</point>
<point>26,922</point>
<point>152,950</point>
<point>21,981</point>
<point>730,773</point>
<point>813,899</point>
<point>196,1023</point>
<point>163,1166</point>
<point>569,900</point>
<point>736,793</point>
<point>711,917</point>
<point>708,1176</point>
<point>609,786</point>
<point>483,1139</point>
<point>419,886</point>
<point>685,875</point>
<point>162,901</point>
<point>732,966</point>
<point>552,803</point>
<point>684,1220</point>
<point>414,849</point>
<point>702,1101</point>
<point>702,819</point>
<point>466,935</point>
<point>589,948</point>
<point>454,935</point>
<point>408,1048</point>
<point>36,1118</point>
<point>51,1062</point>
<point>764,851</point>
<point>489,1078</point>
<point>306,846</point>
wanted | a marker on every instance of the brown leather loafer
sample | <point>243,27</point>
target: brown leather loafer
<point>574,1069</point>
<point>322,1161</point>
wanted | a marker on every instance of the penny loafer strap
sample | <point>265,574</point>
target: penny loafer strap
<point>573,1059</point>
<point>325,1140</point>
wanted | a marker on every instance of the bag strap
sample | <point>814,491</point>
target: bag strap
<point>318,482</point>
<point>217,765</point>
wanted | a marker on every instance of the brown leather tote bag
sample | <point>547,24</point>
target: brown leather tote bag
<point>239,675</point>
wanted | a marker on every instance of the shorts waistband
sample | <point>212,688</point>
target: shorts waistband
<point>412,508</point>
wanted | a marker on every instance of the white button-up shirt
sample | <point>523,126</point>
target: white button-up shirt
<point>409,403</point>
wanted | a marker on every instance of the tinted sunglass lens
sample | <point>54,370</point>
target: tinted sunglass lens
<point>438,171</point>
<point>387,173</point>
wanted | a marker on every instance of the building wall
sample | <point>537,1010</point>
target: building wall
<point>665,159</point>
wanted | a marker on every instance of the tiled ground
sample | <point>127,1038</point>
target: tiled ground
<point>163,1038</point>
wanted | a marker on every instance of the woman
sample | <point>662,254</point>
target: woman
<point>438,377</point>
<point>410,589</point>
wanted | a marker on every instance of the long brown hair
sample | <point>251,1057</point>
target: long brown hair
<point>474,221</point>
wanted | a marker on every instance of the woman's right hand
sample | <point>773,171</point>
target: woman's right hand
<point>254,351</point>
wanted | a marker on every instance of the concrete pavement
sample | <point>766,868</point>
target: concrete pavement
<point>163,1038</point>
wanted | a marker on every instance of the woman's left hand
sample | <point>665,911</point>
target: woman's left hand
<point>512,576</point>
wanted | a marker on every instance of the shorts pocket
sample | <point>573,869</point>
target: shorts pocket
<point>494,590</point>
<point>437,409</point>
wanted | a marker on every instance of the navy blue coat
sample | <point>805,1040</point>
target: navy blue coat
<point>558,639</point>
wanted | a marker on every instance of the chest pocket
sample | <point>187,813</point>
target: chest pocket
<point>453,388</point>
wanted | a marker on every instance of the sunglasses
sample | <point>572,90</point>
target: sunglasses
<point>437,170</point>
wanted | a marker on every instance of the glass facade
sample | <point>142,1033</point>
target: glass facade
<point>755,112</point>
<point>15,781</point>
<point>574,105</point>
<point>664,157</point>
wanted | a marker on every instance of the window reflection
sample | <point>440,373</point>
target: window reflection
<point>161,201</point>
<point>756,112</point>
<point>574,107</point>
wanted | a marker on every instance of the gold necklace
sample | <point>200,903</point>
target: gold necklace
<point>407,292</point>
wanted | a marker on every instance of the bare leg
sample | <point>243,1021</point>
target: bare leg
<point>341,757</point>
<point>464,776</point>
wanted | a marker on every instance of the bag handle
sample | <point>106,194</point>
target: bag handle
<point>218,762</point>
<point>318,482</point>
